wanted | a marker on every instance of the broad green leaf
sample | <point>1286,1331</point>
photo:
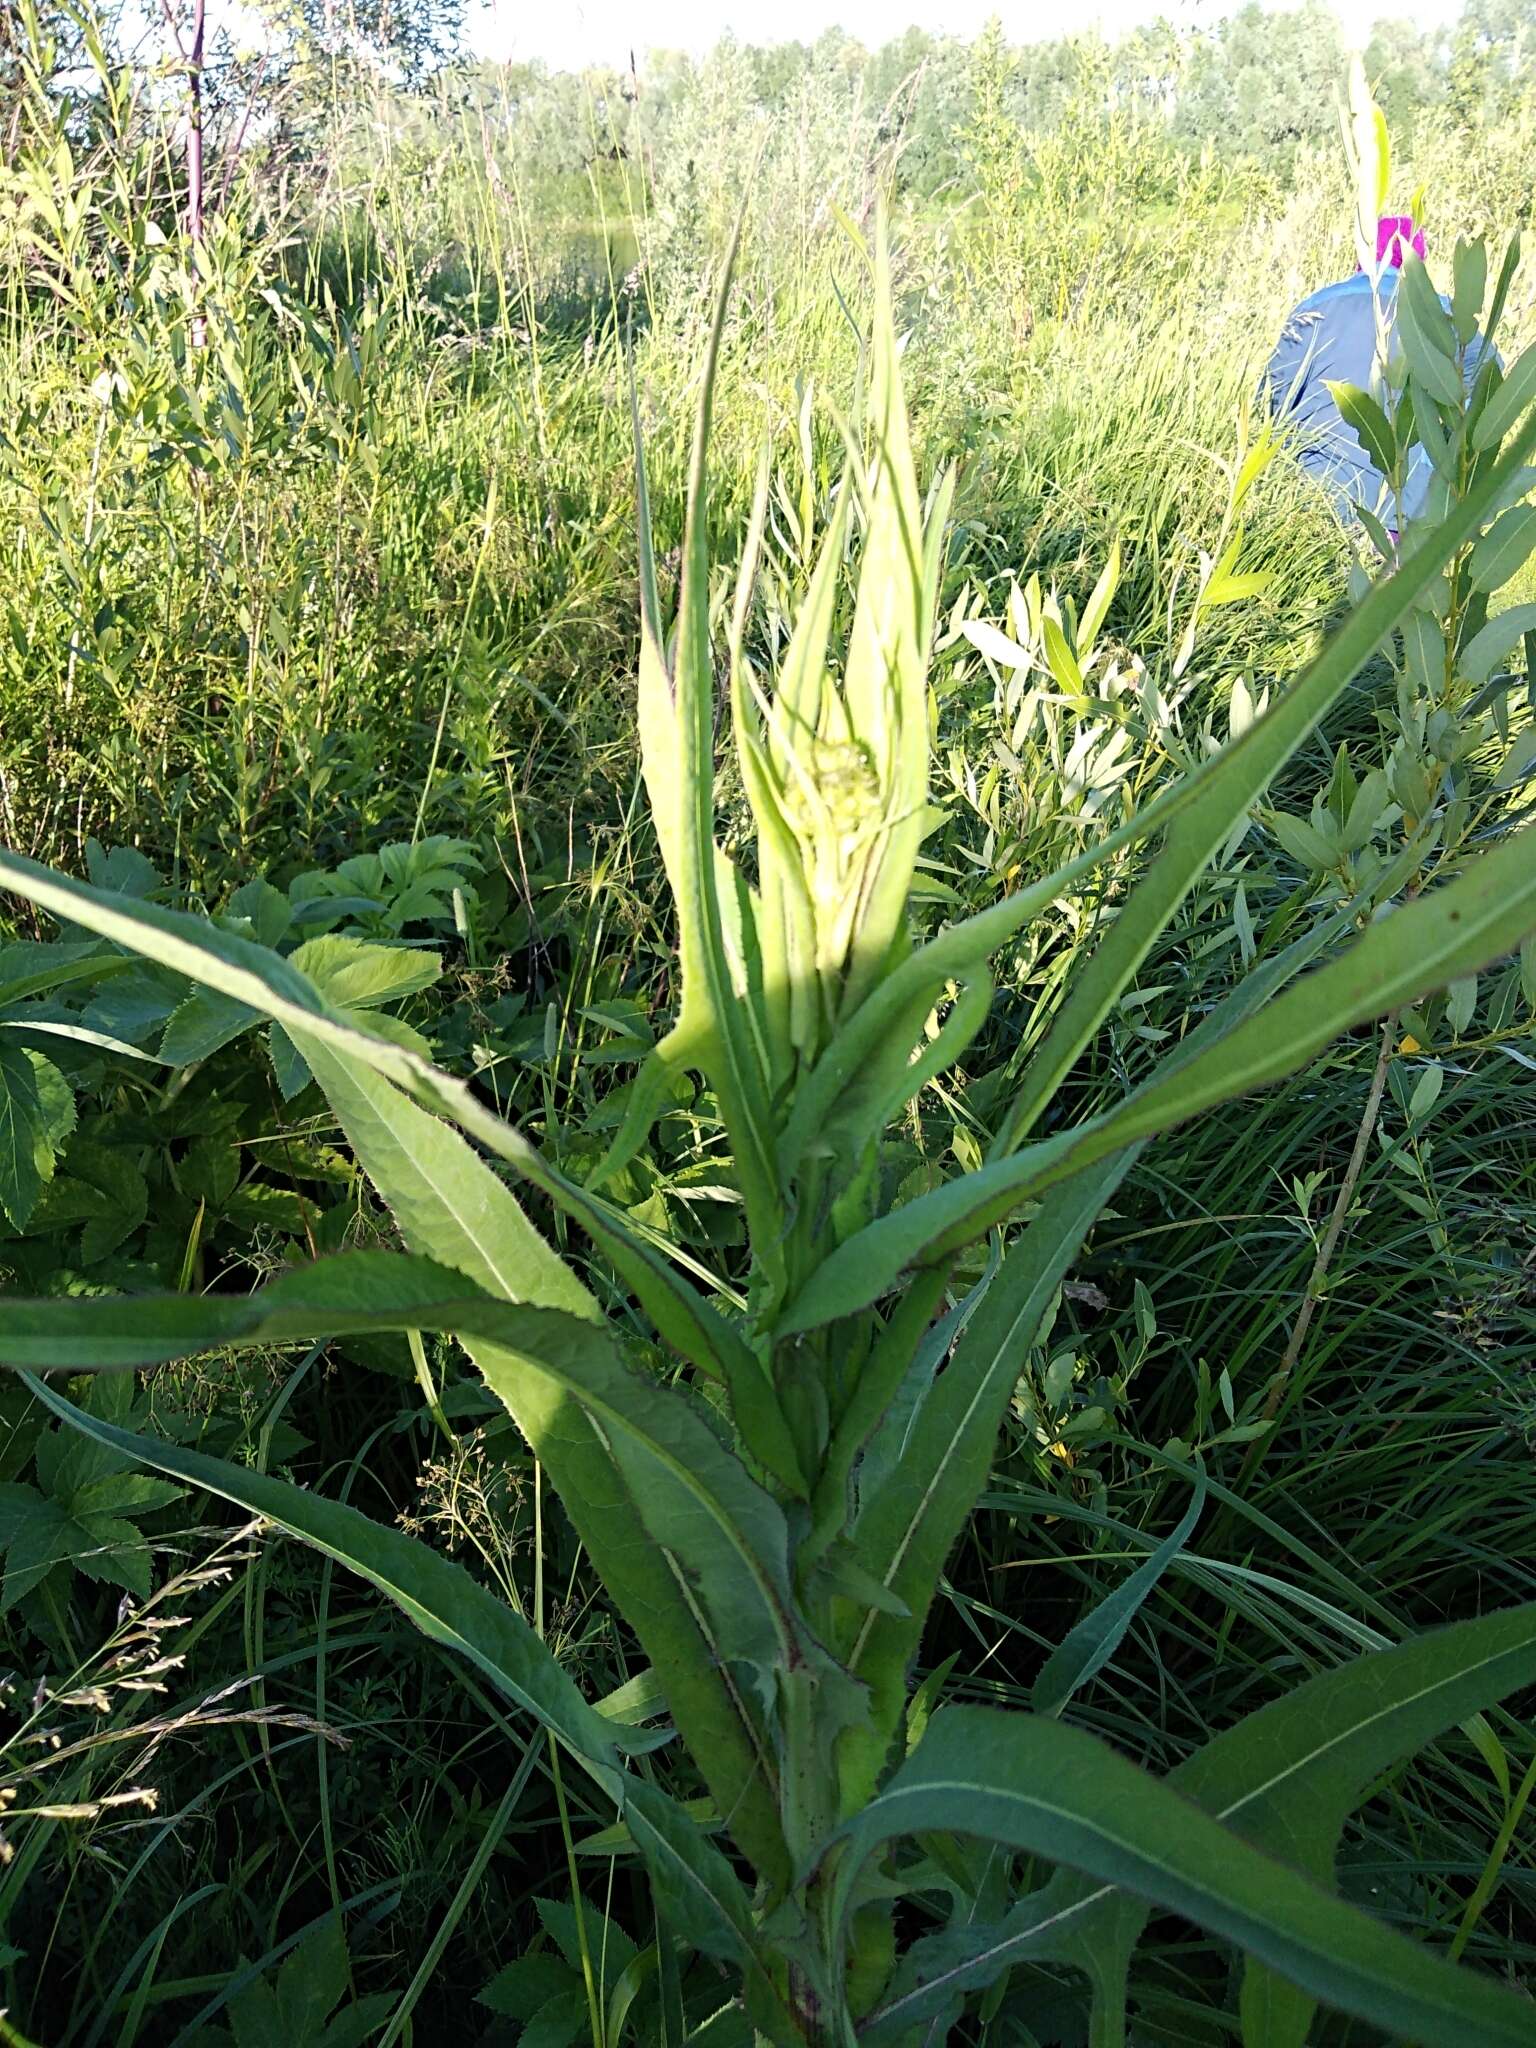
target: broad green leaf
<point>1371,426</point>
<point>1497,640</point>
<point>37,1113</point>
<point>1285,1778</point>
<point>1088,1647</point>
<point>1057,1792</point>
<point>1503,549</point>
<point>1514,394</point>
<point>1406,953</point>
<point>201,1025</point>
<point>355,975</point>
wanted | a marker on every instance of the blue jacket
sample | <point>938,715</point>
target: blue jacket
<point>1331,338</point>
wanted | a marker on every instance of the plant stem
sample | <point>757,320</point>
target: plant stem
<point>1331,1237</point>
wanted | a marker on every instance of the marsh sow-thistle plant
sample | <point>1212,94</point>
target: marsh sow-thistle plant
<point>771,1520</point>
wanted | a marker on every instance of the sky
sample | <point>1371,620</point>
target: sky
<point>571,33</point>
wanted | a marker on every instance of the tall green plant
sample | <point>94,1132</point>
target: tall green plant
<point>773,1522</point>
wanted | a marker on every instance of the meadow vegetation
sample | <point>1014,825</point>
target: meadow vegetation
<point>337,621</point>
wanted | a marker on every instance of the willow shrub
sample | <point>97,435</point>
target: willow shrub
<point>771,1520</point>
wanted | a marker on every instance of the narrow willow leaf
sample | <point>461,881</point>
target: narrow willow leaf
<point>1503,549</point>
<point>1285,1778</point>
<point>1088,1647</point>
<point>1054,1791</point>
<point>1452,932</point>
<point>995,645</point>
<point>1372,428</point>
<point>1497,640</point>
<point>1469,273</point>
<point>1514,394</point>
<point>439,1597</point>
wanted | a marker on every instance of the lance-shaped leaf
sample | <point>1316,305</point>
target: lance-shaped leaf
<point>437,1595</point>
<point>1285,1778</point>
<point>452,1208</point>
<point>1054,1791</point>
<point>696,1500</point>
<point>445,1603</point>
<point>885,683</point>
<point>1443,936</point>
<point>677,750</point>
<point>903,1536</point>
<point>912,1518</point>
<point>1094,1640</point>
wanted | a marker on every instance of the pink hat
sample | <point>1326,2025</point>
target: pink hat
<point>1395,236</point>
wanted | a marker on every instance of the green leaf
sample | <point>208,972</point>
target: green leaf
<point>908,1527</point>
<point>728,1537</point>
<point>1303,842</point>
<point>885,676</point>
<point>1372,429</point>
<point>36,1534</point>
<point>1054,1791</point>
<point>1498,639</point>
<point>1503,549</point>
<point>1285,1778</point>
<point>677,747</point>
<point>1405,954</point>
<point>438,1596</point>
<point>31,968</point>
<point>37,1113</point>
<point>201,1025</point>
<point>357,976</point>
<point>453,1209</point>
<point>525,1984</point>
<point>1514,394</point>
<point>1084,1652</point>
<point>1469,273</point>
<point>313,1981</point>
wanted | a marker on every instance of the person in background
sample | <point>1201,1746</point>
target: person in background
<point>1331,339</point>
